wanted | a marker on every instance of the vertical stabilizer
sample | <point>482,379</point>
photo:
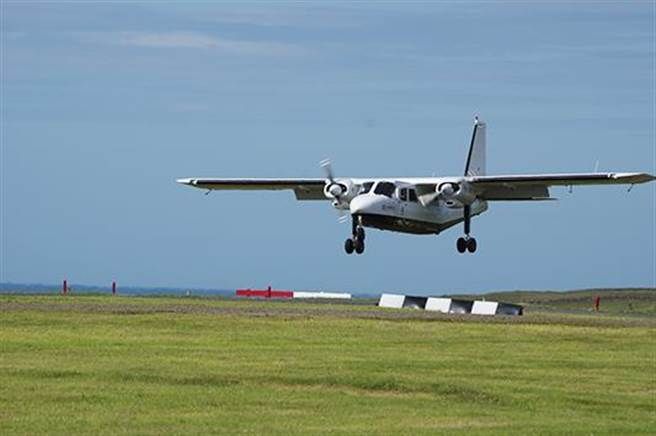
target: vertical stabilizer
<point>475,165</point>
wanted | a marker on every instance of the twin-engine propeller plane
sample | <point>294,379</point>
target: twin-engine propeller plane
<point>424,205</point>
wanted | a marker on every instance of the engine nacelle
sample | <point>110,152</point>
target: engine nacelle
<point>341,191</point>
<point>455,194</point>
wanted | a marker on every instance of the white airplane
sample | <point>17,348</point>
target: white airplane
<point>422,205</point>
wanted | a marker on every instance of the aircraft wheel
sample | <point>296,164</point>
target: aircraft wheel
<point>461,245</point>
<point>359,233</point>
<point>471,245</point>
<point>349,246</point>
<point>359,246</point>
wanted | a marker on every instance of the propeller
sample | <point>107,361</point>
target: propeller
<point>334,189</point>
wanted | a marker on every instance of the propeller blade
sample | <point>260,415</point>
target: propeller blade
<point>335,189</point>
<point>327,167</point>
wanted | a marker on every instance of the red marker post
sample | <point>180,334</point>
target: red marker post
<point>596,303</point>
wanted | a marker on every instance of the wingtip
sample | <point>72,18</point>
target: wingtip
<point>633,178</point>
<point>644,178</point>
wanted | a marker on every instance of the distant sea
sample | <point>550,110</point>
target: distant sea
<point>76,288</point>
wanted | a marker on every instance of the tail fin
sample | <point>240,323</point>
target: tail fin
<point>475,165</point>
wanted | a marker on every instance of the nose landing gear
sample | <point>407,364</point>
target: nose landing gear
<point>467,243</point>
<point>355,242</point>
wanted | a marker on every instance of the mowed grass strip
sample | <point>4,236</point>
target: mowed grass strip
<point>105,371</point>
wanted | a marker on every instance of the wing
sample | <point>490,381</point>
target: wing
<point>304,189</point>
<point>536,187</point>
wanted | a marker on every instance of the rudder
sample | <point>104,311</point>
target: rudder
<point>475,165</point>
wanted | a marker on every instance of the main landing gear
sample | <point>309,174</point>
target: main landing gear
<point>355,242</point>
<point>467,243</point>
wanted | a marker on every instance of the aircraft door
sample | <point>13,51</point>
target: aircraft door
<point>403,198</point>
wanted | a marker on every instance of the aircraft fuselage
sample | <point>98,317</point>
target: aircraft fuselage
<point>400,213</point>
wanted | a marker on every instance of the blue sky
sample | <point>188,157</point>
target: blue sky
<point>106,104</point>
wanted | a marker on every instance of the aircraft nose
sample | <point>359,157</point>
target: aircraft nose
<point>363,204</point>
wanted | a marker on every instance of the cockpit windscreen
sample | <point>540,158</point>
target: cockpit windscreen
<point>385,188</point>
<point>366,187</point>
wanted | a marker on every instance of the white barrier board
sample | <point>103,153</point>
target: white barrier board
<point>484,308</point>
<point>438,304</point>
<point>391,300</point>
<point>333,295</point>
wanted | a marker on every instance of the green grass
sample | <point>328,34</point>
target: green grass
<point>103,365</point>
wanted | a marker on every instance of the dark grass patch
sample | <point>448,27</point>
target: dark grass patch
<point>41,373</point>
<point>206,380</point>
<point>601,405</point>
<point>449,391</point>
<point>466,394</point>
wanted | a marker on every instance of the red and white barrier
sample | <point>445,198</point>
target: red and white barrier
<point>327,295</point>
<point>264,293</point>
<point>274,293</point>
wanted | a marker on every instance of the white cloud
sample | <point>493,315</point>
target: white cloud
<point>168,40</point>
<point>193,40</point>
<point>296,15</point>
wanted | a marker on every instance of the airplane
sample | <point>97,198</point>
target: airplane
<point>421,205</point>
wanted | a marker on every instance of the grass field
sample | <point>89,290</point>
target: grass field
<point>107,365</point>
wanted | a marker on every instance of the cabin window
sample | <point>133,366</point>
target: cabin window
<point>366,187</point>
<point>412,195</point>
<point>403,194</point>
<point>385,188</point>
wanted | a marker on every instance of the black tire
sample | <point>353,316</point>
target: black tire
<point>359,233</point>
<point>349,246</point>
<point>461,245</point>
<point>471,245</point>
<point>359,246</point>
